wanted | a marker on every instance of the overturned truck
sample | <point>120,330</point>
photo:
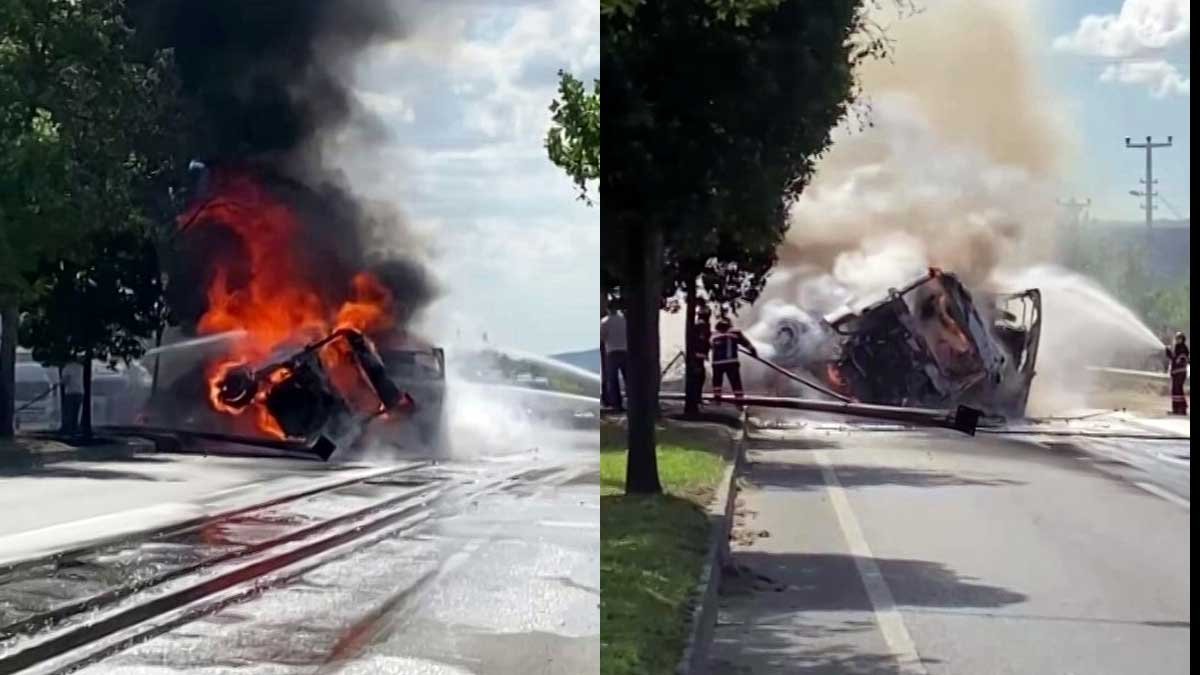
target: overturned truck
<point>931,344</point>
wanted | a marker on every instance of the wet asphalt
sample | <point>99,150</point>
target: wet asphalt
<point>499,575</point>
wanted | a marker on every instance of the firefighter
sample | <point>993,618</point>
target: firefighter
<point>698,351</point>
<point>725,343</point>
<point>1180,358</point>
<point>613,341</point>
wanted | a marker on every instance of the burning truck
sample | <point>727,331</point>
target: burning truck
<point>290,320</point>
<point>928,344</point>
<point>290,277</point>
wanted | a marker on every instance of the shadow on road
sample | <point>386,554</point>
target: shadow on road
<point>770,621</point>
<point>830,582</point>
<point>791,444</point>
<point>88,473</point>
<point>774,650</point>
<point>807,477</point>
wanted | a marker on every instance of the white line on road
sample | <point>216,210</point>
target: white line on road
<point>891,624</point>
<point>1169,496</point>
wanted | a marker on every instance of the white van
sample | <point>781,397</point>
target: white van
<point>36,404</point>
<point>118,393</point>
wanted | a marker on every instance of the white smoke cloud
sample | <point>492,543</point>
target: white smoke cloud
<point>957,170</point>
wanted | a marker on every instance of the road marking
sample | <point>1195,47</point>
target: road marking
<point>1169,496</point>
<point>887,617</point>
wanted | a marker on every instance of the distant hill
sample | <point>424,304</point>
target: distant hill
<point>588,360</point>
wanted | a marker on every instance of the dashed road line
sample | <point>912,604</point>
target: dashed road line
<point>887,617</point>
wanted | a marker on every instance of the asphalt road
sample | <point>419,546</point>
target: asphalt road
<point>929,552</point>
<point>500,576</point>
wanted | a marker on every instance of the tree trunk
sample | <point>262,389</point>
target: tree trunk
<point>62,403</point>
<point>9,319</point>
<point>640,292</point>
<point>603,360</point>
<point>691,402</point>
<point>85,419</point>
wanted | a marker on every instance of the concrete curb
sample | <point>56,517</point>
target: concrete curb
<point>706,594</point>
<point>55,452</point>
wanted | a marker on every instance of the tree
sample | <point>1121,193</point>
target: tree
<point>99,306</point>
<point>573,141</point>
<point>709,145</point>
<point>731,272</point>
<point>88,140</point>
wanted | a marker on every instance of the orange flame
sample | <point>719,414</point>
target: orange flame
<point>279,305</point>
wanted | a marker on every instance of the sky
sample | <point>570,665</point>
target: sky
<point>465,100</point>
<point>1121,69</point>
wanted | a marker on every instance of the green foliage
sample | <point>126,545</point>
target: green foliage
<point>652,551</point>
<point>1121,269</point>
<point>93,133</point>
<point>737,11</point>
<point>573,141</point>
<point>714,147</point>
<point>100,304</point>
<point>89,129</point>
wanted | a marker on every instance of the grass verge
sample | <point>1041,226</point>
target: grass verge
<point>652,548</point>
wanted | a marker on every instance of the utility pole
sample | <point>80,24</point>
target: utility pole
<point>1149,192</point>
<point>1069,242</point>
<point>1076,210</point>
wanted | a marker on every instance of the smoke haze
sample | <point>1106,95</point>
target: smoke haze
<point>958,170</point>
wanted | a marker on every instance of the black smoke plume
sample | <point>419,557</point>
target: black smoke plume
<point>268,79</point>
<point>269,75</point>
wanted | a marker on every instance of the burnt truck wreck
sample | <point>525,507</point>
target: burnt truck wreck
<point>330,388</point>
<point>931,345</point>
<point>312,398</point>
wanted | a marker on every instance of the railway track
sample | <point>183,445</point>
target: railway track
<point>78,630</point>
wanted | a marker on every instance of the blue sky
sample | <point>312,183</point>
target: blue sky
<point>1120,67</point>
<point>465,99</point>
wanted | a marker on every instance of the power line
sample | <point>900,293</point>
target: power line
<point>1172,208</point>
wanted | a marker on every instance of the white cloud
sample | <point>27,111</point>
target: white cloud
<point>465,96</point>
<point>1140,35</point>
<point>1161,77</point>
<point>1141,27</point>
<point>387,106</point>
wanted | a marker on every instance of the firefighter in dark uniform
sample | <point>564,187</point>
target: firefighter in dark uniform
<point>698,351</point>
<point>1180,358</point>
<point>725,342</point>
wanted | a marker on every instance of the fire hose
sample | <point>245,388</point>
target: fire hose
<point>792,376</point>
<point>964,419</point>
<point>41,396</point>
<point>777,368</point>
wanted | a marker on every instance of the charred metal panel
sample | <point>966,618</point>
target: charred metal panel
<point>929,344</point>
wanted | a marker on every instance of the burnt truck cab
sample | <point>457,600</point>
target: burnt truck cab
<point>419,368</point>
<point>929,344</point>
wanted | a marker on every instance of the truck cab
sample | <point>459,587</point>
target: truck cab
<point>419,368</point>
